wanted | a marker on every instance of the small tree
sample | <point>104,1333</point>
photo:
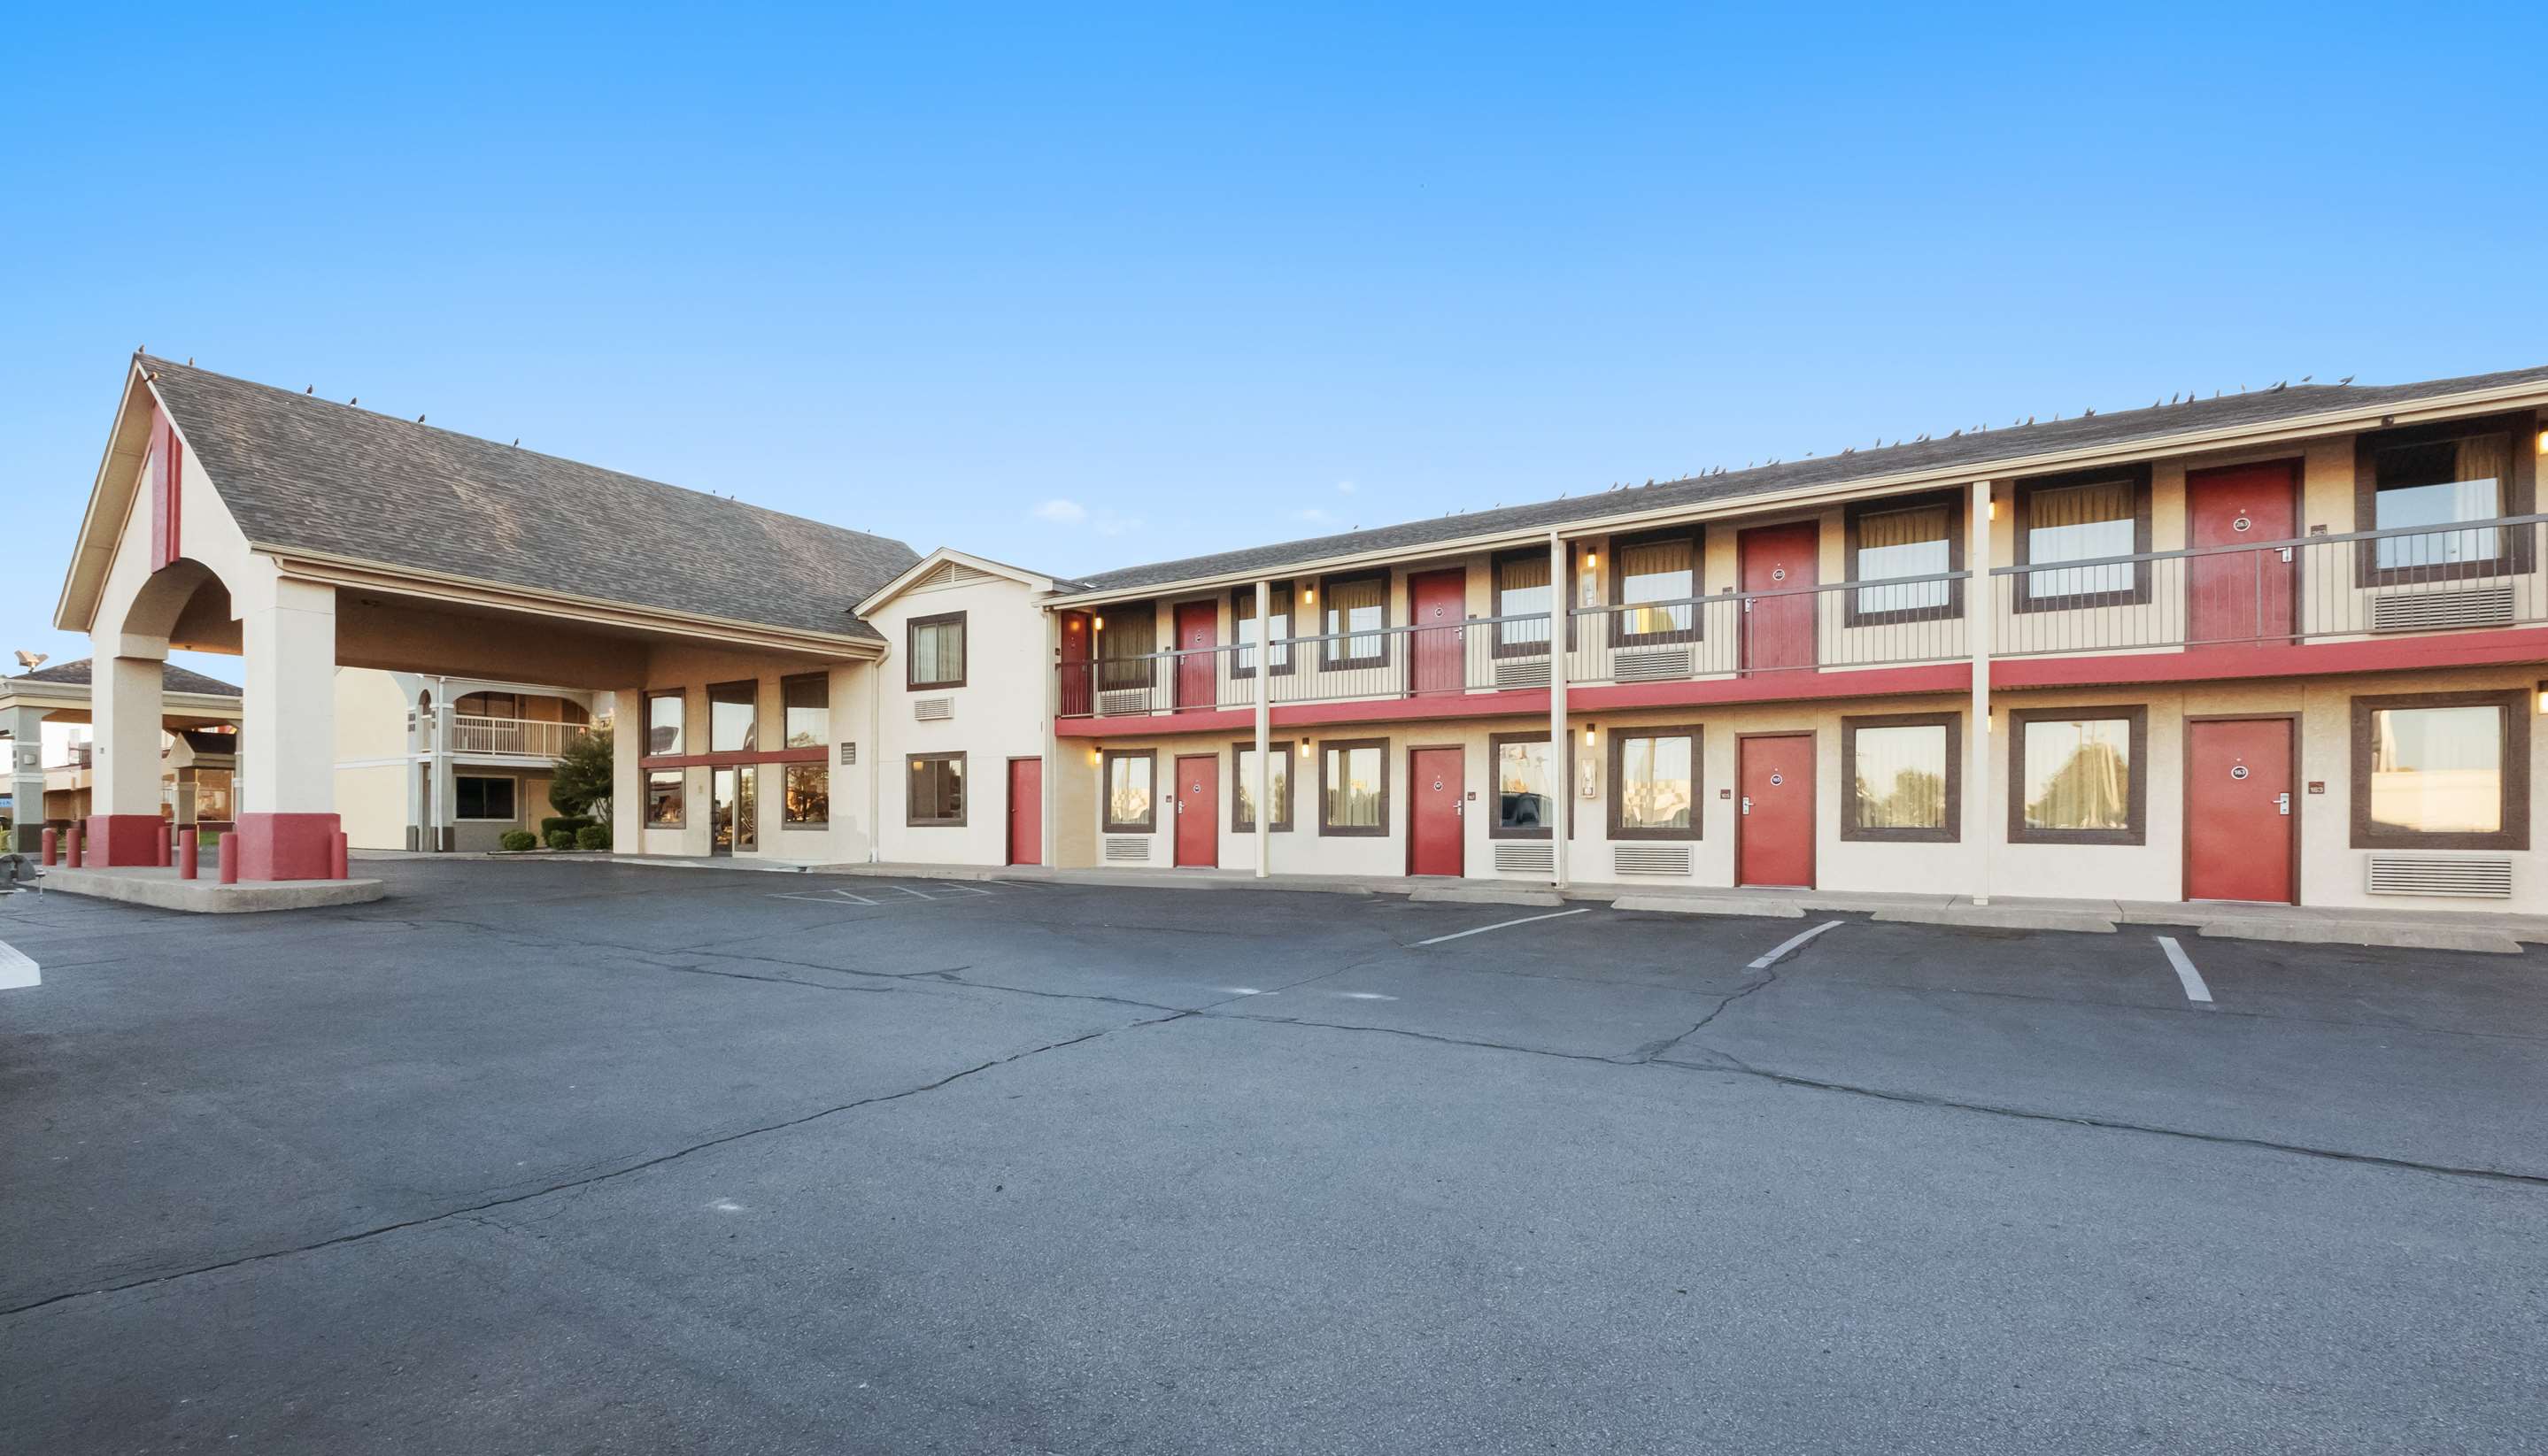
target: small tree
<point>581,782</point>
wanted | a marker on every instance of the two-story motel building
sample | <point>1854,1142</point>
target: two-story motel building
<point>2283,647</point>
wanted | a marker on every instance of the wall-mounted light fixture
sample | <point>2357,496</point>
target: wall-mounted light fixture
<point>1304,748</point>
<point>2543,442</point>
<point>1990,509</point>
<point>1592,559</point>
<point>1308,597</point>
<point>1097,624</point>
<point>2543,696</point>
<point>1587,735</point>
<point>1095,758</point>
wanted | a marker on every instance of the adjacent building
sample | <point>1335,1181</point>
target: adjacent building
<point>433,763</point>
<point>51,773</point>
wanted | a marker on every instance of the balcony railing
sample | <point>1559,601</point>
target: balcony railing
<point>1896,622</point>
<point>2405,580</point>
<point>520,737</point>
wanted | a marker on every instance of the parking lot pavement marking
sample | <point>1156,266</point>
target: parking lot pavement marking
<point>1788,947</point>
<point>828,897</point>
<point>1505,925</point>
<point>16,971</point>
<point>2195,990</point>
<point>965,888</point>
<point>908,890</point>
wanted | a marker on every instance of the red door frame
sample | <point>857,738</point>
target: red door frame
<point>1078,667</point>
<point>1198,675</point>
<point>1459,756</point>
<point>1200,824</point>
<point>1813,805</point>
<point>2299,792</point>
<point>1026,811</point>
<point>1781,614</point>
<point>1436,662</point>
<point>2292,575</point>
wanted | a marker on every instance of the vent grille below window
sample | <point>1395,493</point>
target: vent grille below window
<point>1522,671</point>
<point>933,709</point>
<point>1128,851</point>
<point>1525,857</point>
<point>1650,664</point>
<point>1650,858</point>
<point>2435,874</point>
<point>2476,606</point>
<point>1124,700</point>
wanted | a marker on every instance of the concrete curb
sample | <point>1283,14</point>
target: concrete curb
<point>2358,933</point>
<point>1543,899</point>
<point>211,897</point>
<point>2001,917</point>
<point>1763,908</point>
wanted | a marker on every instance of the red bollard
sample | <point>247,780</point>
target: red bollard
<point>188,855</point>
<point>52,847</point>
<point>230,858</point>
<point>336,855</point>
<point>71,848</point>
<point>159,851</point>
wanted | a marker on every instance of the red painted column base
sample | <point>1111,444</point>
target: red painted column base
<point>125,839</point>
<point>282,847</point>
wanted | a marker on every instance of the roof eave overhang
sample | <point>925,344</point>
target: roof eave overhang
<point>1032,580</point>
<point>2226,437</point>
<point>109,505</point>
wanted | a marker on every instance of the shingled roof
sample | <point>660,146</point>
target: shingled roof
<point>1972,452</point>
<point>172,679</point>
<point>301,473</point>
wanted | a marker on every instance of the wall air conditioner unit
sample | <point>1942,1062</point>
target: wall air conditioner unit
<point>933,709</point>
<point>1122,700</point>
<point>1128,851</point>
<point>2424,611</point>
<point>2487,876</point>
<point>1522,671</point>
<point>1525,857</point>
<point>1650,858</point>
<point>1650,664</point>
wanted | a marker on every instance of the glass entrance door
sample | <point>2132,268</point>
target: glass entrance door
<point>734,815</point>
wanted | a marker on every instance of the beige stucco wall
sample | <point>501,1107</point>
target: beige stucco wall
<point>844,839</point>
<point>999,714</point>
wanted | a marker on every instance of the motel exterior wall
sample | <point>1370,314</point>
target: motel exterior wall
<point>998,714</point>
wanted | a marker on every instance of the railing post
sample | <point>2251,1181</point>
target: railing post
<point>1264,730</point>
<point>1981,611</point>
<point>1560,757</point>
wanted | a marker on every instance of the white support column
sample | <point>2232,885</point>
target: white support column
<point>26,779</point>
<point>126,716</point>
<point>1263,788</point>
<point>1048,777</point>
<point>627,775</point>
<point>1560,622</point>
<point>286,822</point>
<point>1982,613</point>
<point>446,801</point>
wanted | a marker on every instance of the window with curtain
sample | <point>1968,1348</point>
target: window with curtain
<point>1663,571</point>
<point>1898,777</point>
<point>664,798</point>
<point>1654,783</point>
<point>2437,769</point>
<point>2440,483</point>
<point>486,799</point>
<point>2078,773</point>
<point>664,713</point>
<point>1913,541</point>
<point>1130,797</point>
<point>2082,522</point>
<point>937,651</point>
<point>808,709</point>
<point>1522,590</point>
<point>1353,788</point>
<point>1356,608</point>
<point>1125,645</point>
<point>1524,787</point>
<point>806,795</point>
<point>733,717</point>
<point>1242,799</point>
<point>1278,628</point>
<point>937,789</point>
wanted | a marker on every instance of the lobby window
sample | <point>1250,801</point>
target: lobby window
<point>733,720</point>
<point>808,706</point>
<point>1353,788</point>
<point>2079,773</point>
<point>1522,590</point>
<point>664,714</point>
<point>2072,519</point>
<point>2442,771</point>
<point>1356,610</point>
<point>1904,539</point>
<point>936,658</point>
<point>1243,788</point>
<point>2440,476</point>
<point>1132,804</point>
<point>807,797</point>
<point>484,799</point>
<point>1904,777</point>
<point>1525,784</point>
<point>1656,579</point>
<point>664,798</point>
<point>936,783</point>
<point>1654,783</point>
<point>1278,628</point>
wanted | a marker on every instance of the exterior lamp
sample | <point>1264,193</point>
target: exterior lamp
<point>1094,757</point>
<point>1990,511</point>
<point>2543,442</point>
<point>1097,624</point>
<point>1304,748</point>
<point>1587,735</point>
<point>2543,696</point>
<point>1308,597</point>
<point>1592,559</point>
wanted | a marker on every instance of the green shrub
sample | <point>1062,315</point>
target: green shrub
<point>592,837</point>
<point>560,839</point>
<point>568,822</point>
<point>518,839</point>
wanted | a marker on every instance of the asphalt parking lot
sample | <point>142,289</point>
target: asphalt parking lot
<point>605,1158</point>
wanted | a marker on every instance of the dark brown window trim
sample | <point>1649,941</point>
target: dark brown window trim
<point>1957,524</point>
<point>1242,629</point>
<point>1149,823</point>
<point>646,804</point>
<point>1494,784</point>
<point>786,769</point>
<point>751,699</point>
<point>1617,583</point>
<point>2518,492</point>
<point>912,821</point>
<point>2136,745</point>
<point>1331,647</point>
<point>2138,593</point>
<point>646,725</point>
<point>1353,831</point>
<point>911,649</point>
<point>1953,833</point>
<point>1697,782</point>
<point>2514,783</point>
<point>1534,647</point>
<point>1279,749</point>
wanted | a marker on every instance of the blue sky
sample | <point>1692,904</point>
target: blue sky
<point>1085,288</point>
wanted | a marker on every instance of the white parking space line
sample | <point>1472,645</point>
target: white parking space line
<point>961,888</point>
<point>1788,947</point>
<point>16,971</point>
<point>2195,990</point>
<point>908,890</point>
<point>1505,925</point>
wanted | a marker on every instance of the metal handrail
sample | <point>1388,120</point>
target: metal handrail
<point>2489,524</point>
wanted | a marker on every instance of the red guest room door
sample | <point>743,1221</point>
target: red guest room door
<point>2239,816</point>
<point>1779,631</point>
<point>1026,811</point>
<point>2241,595</point>
<point>1198,789</point>
<point>1433,792</point>
<point>1774,834</point>
<point>1435,603</point>
<point>1198,632</point>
